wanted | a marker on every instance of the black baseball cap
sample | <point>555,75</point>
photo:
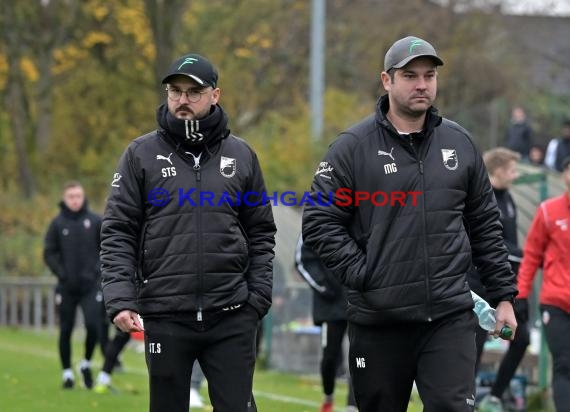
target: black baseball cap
<point>405,50</point>
<point>196,67</point>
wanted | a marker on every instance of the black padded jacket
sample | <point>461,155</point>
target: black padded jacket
<point>72,249</point>
<point>404,257</point>
<point>177,239</point>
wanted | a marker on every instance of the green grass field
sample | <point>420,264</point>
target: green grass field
<point>30,380</point>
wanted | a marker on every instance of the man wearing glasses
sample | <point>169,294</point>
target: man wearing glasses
<point>198,273</point>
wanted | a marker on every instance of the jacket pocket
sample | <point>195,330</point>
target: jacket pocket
<point>244,245</point>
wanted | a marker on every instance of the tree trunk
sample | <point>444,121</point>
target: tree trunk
<point>18,121</point>
<point>18,110</point>
<point>165,18</point>
<point>44,101</point>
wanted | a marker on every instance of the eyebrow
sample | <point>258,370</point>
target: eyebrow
<point>434,70</point>
<point>192,89</point>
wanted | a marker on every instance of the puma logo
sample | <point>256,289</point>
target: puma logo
<point>383,153</point>
<point>161,157</point>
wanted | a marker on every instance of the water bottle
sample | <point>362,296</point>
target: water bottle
<point>486,315</point>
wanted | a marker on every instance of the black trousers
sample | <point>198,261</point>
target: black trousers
<point>481,336</point>
<point>440,356</point>
<point>556,324</point>
<point>512,358</point>
<point>333,335</point>
<point>114,349</point>
<point>104,325</point>
<point>67,310</point>
<point>223,343</point>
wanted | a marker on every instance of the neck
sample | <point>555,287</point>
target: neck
<point>495,183</point>
<point>406,124</point>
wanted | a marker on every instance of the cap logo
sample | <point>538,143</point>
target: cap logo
<point>414,44</point>
<point>188,60</point>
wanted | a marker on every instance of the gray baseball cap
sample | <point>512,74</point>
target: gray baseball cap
<point>405,50</point>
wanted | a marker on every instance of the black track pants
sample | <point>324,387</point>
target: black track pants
<point>223,344</point>
<point>440,356</point>
<point>91,315</point>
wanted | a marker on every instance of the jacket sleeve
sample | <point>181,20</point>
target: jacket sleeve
<point>325,224</point>
<point>52,251</point>
<point>489,253</point>
<point>536,242</point>
<point>120,235</point>
<point>259,226</point>
<point>312,270</point>
<point>98,222</point>
<point>514,250</point>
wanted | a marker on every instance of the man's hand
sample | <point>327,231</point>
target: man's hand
<point>505,316</point>
<point>128,321</point>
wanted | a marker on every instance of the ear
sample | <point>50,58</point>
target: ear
<point>386,81</point>
<point>216,95</point>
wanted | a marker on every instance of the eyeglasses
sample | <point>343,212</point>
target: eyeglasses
<point>192,95</point>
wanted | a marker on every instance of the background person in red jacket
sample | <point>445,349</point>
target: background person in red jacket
<point>548,242</point>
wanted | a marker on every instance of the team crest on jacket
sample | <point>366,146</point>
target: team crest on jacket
<point>86,223</point>
<point>450,160</point>
<point>227,166</point>
<point>324,170</point>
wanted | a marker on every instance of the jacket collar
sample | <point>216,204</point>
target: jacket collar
<point>383,104</point>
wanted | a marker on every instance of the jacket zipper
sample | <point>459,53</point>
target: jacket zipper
<point>424,228</point>
<point>196,168</point>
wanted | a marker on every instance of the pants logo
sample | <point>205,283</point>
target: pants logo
<point>360,363</point>
<point>154,347</point>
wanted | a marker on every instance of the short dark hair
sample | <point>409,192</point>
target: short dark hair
<point>565,164</point>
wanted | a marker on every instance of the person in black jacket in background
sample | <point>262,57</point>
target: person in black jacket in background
<point>501,165</point>
<point>187,243</point>
<point>329,312</point>
<point>405,182</point>
<point>518,136</point>
<point>72,253</point>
